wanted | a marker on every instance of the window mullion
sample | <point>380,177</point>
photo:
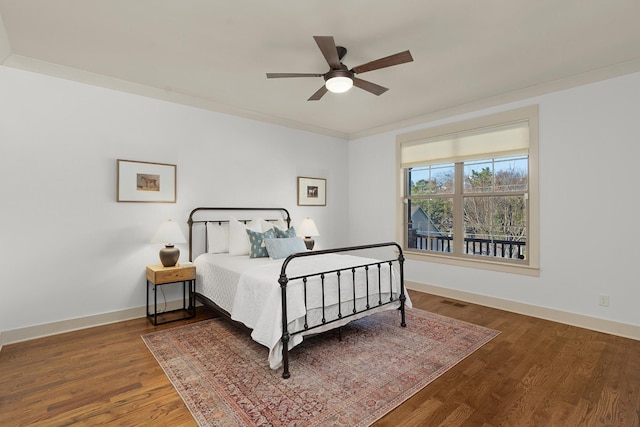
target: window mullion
<point>458,216</point>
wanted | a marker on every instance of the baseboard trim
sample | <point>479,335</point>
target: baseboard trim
<point>601,325</point>
<point>573,319</point>
<point>43,330</point>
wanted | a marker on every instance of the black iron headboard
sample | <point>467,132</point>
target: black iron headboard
<point>202,219</point>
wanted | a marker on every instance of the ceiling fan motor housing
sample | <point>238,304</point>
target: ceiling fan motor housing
<point>338,73</point>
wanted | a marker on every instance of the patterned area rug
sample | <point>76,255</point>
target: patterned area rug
<point>224,377</point>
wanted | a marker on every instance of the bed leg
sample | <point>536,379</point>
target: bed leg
<point>403,297</point>
<point>285,323</point>
<point>285,356</point>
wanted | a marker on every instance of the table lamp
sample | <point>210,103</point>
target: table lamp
<point>169,233</point>
<point>308,229</point>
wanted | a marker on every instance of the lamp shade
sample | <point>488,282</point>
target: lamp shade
<point>169,233</point>
<point>307,228</point>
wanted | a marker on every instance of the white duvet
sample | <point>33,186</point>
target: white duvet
<point>253,292</point>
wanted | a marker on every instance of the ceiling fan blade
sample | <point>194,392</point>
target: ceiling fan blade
<point>328,48</point>
<point>387,61</point>
<point>369,87</point>
<point>280,75</point>
<point>319,94</point>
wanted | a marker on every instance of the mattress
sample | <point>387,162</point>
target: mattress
<point>217,275</point>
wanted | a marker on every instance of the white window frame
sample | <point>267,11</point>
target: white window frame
<point>532,265</point>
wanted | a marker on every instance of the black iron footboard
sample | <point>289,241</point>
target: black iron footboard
<point>368,268</point>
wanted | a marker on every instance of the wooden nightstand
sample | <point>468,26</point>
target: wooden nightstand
<point>158,275</point>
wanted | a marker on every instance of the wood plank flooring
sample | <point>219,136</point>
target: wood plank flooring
<point>535,373</point>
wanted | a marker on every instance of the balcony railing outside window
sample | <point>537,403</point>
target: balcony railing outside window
<point>498,248</point>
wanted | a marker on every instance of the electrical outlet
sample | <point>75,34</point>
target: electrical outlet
<point>603,300</point>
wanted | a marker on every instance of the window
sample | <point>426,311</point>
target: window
<point>468,192</point>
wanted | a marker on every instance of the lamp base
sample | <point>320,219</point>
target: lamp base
<point>309,243</point>
<point>169,256</point>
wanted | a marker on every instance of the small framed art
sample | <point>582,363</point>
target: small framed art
<point>146,182</point>
<point>312,191</point>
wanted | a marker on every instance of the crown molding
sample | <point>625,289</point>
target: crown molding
<point>68,73</point>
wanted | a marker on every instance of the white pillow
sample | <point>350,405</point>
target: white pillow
<point>217,237</point>
<point>264,224</point>
<point>238,237</point>
<point>280,223</point>
<point>268,225</point>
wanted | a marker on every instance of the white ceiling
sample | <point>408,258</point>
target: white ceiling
<point>214,54</point>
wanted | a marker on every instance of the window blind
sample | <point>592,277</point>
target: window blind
<point>498,141</point>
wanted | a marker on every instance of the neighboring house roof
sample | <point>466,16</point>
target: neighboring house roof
<point>422,223</point>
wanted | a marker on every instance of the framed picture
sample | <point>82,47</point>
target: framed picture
<point>146,182</point>
<point>312,191</point>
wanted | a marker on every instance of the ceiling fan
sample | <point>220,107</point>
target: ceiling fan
<point>340,78</point>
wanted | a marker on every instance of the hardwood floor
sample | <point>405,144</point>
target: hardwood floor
<point>535,373</point>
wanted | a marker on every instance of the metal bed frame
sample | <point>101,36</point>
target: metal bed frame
<point>284,279</point>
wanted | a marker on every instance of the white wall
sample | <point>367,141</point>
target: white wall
<point>68,249</point>
<point>589,153</point>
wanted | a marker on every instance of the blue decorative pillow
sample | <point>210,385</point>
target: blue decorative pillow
<point>282,248</point>
<point>283,234</point>
<point>257,247</point>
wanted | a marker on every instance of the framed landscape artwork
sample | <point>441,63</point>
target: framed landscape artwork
<point>146,182</point>
<point>312,191</point>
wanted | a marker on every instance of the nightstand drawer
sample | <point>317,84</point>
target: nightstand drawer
<point>157,274</point>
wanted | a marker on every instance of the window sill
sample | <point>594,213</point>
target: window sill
<point>483,264</point>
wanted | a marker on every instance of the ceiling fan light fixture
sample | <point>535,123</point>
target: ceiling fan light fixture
<point>338,81</point>
<point>339,78</point>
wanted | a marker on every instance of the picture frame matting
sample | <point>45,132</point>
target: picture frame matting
<point>312,191</point>
<point>146,182</point>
